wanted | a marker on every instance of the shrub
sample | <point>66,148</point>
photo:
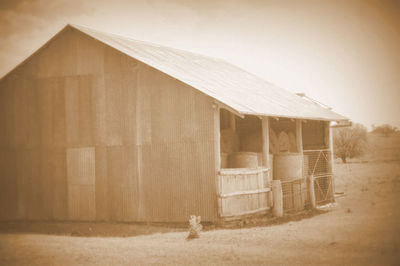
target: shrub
<point>385,130</point>
<point>194,227</point>
<point>350,142</point>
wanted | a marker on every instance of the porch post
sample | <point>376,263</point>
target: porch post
<point>232,121</point>
<point>217,158</point>
<point>277,210</point>
<point>217,137</point>
<point>299,136</point>
<point>330,146</point>
<point>265,140</point>
<point>331,159</point>
<point>311,191</point>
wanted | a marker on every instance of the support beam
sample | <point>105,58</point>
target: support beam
<point>330,146</point>
<point>265,140</point>
<point>224,106</point>
<point>277,209</point>
<point>217,156</point>
<point>326,134</point>
<point>331,159</point>
<point>265,151</point>
<point>217,138</point>
<point>232,121</point>
<point>299,136</point>
<point>311,191</point>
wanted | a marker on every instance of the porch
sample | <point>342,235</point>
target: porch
<point>267,164</point>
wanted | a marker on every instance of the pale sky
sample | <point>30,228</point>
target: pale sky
<point>345,54</point>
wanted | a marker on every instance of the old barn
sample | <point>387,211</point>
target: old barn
<point>94,126</point>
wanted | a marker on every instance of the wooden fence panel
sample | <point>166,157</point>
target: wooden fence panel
<point>243,191</point>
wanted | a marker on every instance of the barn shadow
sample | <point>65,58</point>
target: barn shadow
<point>109,229</point>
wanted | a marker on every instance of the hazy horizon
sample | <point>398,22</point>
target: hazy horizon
<point>345,54</point>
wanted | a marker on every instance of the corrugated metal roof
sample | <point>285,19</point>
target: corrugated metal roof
<point>228,84</point>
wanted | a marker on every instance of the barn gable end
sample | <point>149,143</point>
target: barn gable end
<point>89,133</point>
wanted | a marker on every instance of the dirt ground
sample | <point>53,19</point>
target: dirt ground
<point>362,228</point>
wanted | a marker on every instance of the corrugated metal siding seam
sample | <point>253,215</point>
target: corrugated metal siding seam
<point>101,184</point>
<point>121,175</point>
<point>60,184</point>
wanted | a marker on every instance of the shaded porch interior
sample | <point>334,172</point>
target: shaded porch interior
<point>256,150</point>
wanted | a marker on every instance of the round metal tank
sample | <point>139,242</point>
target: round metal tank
<point>288,166</point>
<point>243,160</point>
<point>270,160</point>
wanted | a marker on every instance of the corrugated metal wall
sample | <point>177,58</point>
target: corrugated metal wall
<point>177,149</point>
<point>87,133</point>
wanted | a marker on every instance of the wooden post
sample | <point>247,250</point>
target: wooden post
<point>311,191</point>
<point>326,134</point>
<point>232,121</point>
<point>217,138</point>
<point>331,148</point>
<point>299,136</point>
<point>331,161</point>
<point>265,151</point>
<point>265,140</point>
<point>299,143</point>
<point>217,156</point>
<point>277,209</point>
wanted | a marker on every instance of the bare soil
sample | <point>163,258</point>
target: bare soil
<point>362,228</point>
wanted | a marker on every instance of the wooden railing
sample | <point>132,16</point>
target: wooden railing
<point>295,194</point>
<point>244,191</point>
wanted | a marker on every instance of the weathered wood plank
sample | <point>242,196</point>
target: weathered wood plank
<point>299,136</point>
<point>246,212</point>
<point>245,192</point>
<point>265,140</point>
<point>242,171</point>
<point>277,209</point>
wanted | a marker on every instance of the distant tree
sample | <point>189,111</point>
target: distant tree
<point>350,142</point>
<point>385,130</point>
